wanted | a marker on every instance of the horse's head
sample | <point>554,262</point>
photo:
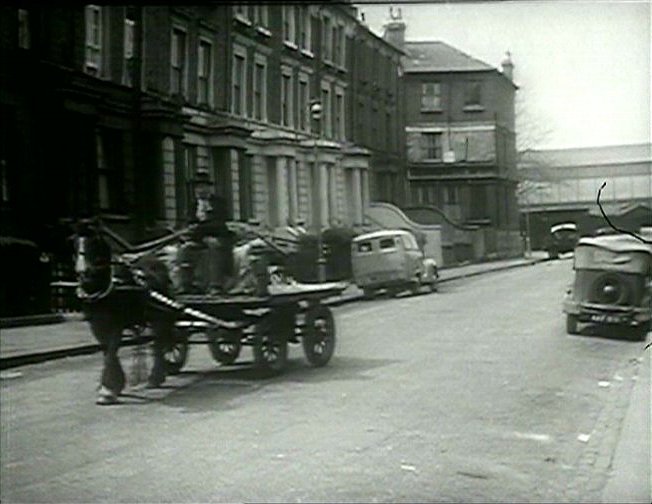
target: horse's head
<point>92,257</point>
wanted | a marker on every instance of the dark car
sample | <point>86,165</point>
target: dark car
<point>25,273</point>
<point>562,239</point>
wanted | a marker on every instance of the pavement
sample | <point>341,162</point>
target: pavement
<point>35,343</point>
<point>634,449</point>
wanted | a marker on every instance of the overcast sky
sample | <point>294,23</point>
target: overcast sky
<point>583,67</point>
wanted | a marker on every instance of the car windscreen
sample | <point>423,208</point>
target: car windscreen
<point>565,234</point>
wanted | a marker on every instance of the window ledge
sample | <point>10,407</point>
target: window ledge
<point>240,115</point>
<point>243,20</point>
<point>329,63</point>
<point>114,216</point>
<point>291,45</point>
<point>263,31</point>
<point>432,110</point>
<point>308,53</point>
<point>473,108</point>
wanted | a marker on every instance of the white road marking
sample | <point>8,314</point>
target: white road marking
<point>544,438</point>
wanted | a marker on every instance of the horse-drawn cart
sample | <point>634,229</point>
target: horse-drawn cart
<point>290,314</point>
<point>135,292</point>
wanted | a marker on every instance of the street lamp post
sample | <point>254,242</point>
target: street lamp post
<point>315,113</point>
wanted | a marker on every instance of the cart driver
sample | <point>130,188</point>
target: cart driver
<point>209,234</point>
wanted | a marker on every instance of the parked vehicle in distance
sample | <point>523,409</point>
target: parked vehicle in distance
<point>612,284</point>
<point>561,239</point>
<point>392,260</point>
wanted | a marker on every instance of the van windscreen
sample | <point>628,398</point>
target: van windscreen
<point>364,247</point>
<point>386,243</point>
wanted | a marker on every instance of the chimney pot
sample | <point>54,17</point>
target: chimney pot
<point>508,66</point>
<point>395,28</point>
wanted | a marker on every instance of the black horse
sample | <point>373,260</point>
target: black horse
<point>117,296</point>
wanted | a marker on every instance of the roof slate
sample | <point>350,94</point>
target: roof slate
<point>437,56</point>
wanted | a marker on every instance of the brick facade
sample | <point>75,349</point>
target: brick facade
<point>460,134</point>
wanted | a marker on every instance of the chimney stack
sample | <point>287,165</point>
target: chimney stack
<point>395,29</point>
<point>508,66</point>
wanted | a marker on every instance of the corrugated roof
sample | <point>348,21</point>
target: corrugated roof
<point>617,209</point>
<point>593,156</point>
<point>437,56</point>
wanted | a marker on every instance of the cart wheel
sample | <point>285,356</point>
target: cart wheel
<point>224,344</point>
<point>270,351</point>
<point>319,335</point>
<point>394,291</point>
<point>571,324</point>
<point>177,354</point>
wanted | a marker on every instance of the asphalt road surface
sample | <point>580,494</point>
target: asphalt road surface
<point>472,394</point>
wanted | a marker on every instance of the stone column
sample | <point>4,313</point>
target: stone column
<point>364,183</point>
<point>282,190</point>
<point>324,194</point>
<point>356,191</point>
